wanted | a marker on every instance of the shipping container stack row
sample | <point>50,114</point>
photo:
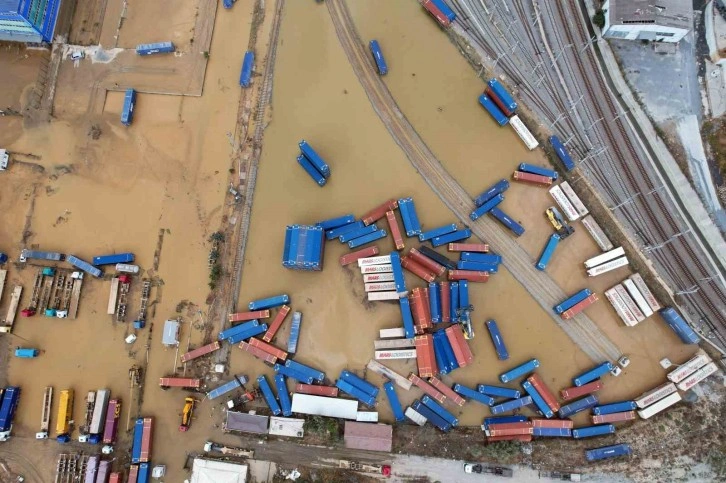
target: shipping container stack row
<point>632,300</point>
<point>606,262</point>
<point>313,163</point>
<point>303,248</point>
<point>500,104</point>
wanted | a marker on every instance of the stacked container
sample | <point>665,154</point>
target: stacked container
<point>303,249</point>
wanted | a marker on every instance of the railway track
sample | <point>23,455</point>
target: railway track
<point>543,289</point>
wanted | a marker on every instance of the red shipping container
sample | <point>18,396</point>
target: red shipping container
<point>270,349</point>
<point>469,247</point>
<point>469,275</point>
<point>545,392</point>
<point>426,388</point>
<point>395,230</point>
<point>532,178</point>
<point>316,390</point>
<point>429,264</point>
<point>165,382</point>
<point>579,307</point>
<point>613,417</point>
<point>114,478</point>
<point>526,438</point>
<point>510,429</point>
<point>133,474</point>
<point>276,323</point>
<point>507,112</point>
<point>417,269</point>
<point>257,314</point>
<point>462,352</point>
<point>379,212</point>
<point>425,359</point>
<point>427,307</point>
<point>445,302</point>
<point>436,13</point>
<point>447,391</point>
<point>553,423</point>
<point>351,257</point>
<point>418,309</point>
<point>575,392</point>
<point>147,438</point>
<point>200,351</point>
<point>258,353</point>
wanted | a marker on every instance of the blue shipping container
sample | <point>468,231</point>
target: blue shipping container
<point>507,221</point>
<point>246,334</point>
<point>293,374</point>
<point>360,383</point>
<point>502,94</point>
<point>53,256</point>
<point>223,389</point>
<point>486,207</point>
<point>352,235</point>
<point>411,223</point>
<point>442,360</point>
<point>578,406</point>
<point>547,252</point>
<point>552,432</point>
<point>268,395</point>
<point>269,302</point>
<point>307,370</point>
<point>283,395</point>
<point>447,350</point>
<point>531,168</point>
<point>127,114</point>
<point>572,300</point>
<point>312,155</point>
<point>442,230</point>
<point>431,416</point>
<point>441,5</point>
<point>477,266</point>
<point>538,399</point>
<point>481,257</point>
<point>155,48</point>
<point>113,259</point>
<point>562,153</point>
<point>497,391</point>
<point>371,237</point>
<point>679,326</point>
<point>511,405</point>
<point>496,335</point>
<point>237,329</point>
<point>311,171</point>
<point>463,294</point>
<point>493,110</point>
<point>497,188</point>
<point>336,222</point>
<point>228,3</point>
<point>393,401</point>
<point>472,394</point>
<point>407,317</point>
<point>519,371</point>
<point>26,353</point>
<point>606,452</point>
<point>355,392</point>
<point>11,395</point>
<point>454,301</point>
<point>84,265</point>
<point>336,232</point>
<point>451,237</point>
<point>378,57</point>
<point>594,373</point>
<point>616,407</point>
<point>590,431</point>
<point>246,74</point>
<point>437,257</point>
<point>144,473</point>
<point>398,278</point>
<point>136,446</point>
<point>440,410</point>
<point>435,302</point>
<point>294,332</point>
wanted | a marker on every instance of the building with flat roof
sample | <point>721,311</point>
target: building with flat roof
<point>31,21</point>
<point>656,20</point>
<point>368,436</point>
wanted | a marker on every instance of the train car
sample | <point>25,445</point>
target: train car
<point>378,57</point>
<point>245,77</point>
<point>493,110</point>
<point>562,153</point>
<point>679,325</point>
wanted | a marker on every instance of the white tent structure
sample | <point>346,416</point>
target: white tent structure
<point>209,471</point>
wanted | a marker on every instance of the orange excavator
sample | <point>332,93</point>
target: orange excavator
<point>187,414</point>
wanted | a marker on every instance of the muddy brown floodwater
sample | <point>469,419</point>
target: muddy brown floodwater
<point>165,178</point>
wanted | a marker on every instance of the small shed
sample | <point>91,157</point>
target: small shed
<point>209,471</point>
<point>170,337</point>
<point>247,423</point>
<point>367,436</point>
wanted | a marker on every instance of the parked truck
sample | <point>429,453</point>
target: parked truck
<point>211,447</point>
<point>65,416</point>
<point>10,398</point>
<point>384,470</point>
<point>98,419</point>
<point>25,255</point>
<point>84,265</point>
<point>113,259</point>
<point>113,413</point>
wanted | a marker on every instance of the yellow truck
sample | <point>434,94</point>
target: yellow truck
<point>65,416</point>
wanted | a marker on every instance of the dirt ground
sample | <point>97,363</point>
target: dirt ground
<point>157,189</point>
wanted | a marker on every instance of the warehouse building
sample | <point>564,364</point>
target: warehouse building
<point>30,21</point>
<point>654,20</point>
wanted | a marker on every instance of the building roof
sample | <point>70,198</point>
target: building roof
<point>287,427</point>
<point>372,437</point>
<point>668,13</point>
<point>209,471</point>
<point>248,423</point>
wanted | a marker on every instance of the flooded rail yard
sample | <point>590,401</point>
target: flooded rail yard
<point>81,183</point>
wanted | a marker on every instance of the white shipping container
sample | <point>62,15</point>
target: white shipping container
<point>393,343</point>
<point>620,308</point>
<point>607,267</point>
<point>377,269</point>
<point>374,296</point>
<point>381,260</point>
<point>637,297</point>
<point>394,333</point>
<point>396,354</point>
<point>697,376</point>
<point>524,134</point>
<point>324,406</point>
<point>378,277</point>
<point>574,199</point>
<point>367,416</point>
<point>380,286</point>
<point>688,368</point>
<point>659,406</point>
<point>564,203</point>
<point>649,397</point>
<point>605,257</point>
<point>125,267</point>
<point>629,303</point>
<point>645,291</point>
<point>98,419</point>
<point>597,234</point>
<point>384,371</point>
<point>415,416</point>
